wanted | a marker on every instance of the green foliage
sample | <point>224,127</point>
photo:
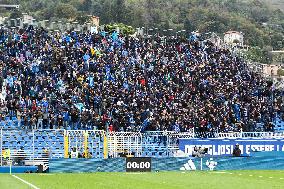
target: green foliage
<point>280,72</point>
<point>236,41</point>
<point>125,29</point>
<point>216,16</point>
<point>278,57</point>
<point>64,10</point>
<point>15,14</point>
<point>277,41</point>
<point>82,17</point>
<point>262,55</point>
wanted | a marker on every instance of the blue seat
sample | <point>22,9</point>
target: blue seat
<point>9,122</point>
<point>15,122</point>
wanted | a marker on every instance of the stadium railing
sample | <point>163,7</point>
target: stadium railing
<point>124,143</point>
<point>266,135</point>
<point>98,144</point>
<point>30,147</point>
<point>36,144</point>
<point>92,142</point>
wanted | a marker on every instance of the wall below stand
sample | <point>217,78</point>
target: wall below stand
<point>261,161</point>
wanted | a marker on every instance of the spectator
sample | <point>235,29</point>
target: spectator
<point>125,83</point>
<point>237,151</point>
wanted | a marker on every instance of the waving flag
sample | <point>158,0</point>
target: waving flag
<point>114,36</point>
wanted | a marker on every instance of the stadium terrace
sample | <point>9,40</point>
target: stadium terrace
<point>113,82</point>
<point>82,102</point>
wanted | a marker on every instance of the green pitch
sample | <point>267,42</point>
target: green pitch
<point>161,180</point>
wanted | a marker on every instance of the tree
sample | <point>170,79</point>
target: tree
<point>280,72</point>
<point>236,41</point>
<point>125,29</point>
<point>260,55</point>
<point>67,11</point>
<point>189,25</point>
<point>120,12</point>
<point>15,14</point>
<point>277,41</point>
<point>107,15</point>
<point>86,6</point>
<point>82,17</point>
<point>216,16</point>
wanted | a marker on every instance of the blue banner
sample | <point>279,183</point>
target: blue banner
<point>258,161</point>
<point>225,147</point>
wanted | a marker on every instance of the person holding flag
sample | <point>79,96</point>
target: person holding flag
<point>114,36</point>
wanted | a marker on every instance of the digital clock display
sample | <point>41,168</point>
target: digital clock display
<point>138,164</point>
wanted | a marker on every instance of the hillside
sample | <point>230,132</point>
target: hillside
<point>277,4</point>
<point>217,16</point>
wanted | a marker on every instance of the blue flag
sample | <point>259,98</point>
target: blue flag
<point>114,36</point>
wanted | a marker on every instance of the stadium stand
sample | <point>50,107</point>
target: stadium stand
<point>112,82</point>
<point>155,90</point>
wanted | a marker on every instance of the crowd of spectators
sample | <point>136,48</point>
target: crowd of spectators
<point>52,80</point>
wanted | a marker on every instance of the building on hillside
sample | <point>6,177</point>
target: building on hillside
<point>215,39</point>
<point>28,19</point>
<point>2,19</point>
<point>234,38</point>
<point>278,56</point>
<point>270,69</point>
<point>95,21</point>
<point>266,70</point>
